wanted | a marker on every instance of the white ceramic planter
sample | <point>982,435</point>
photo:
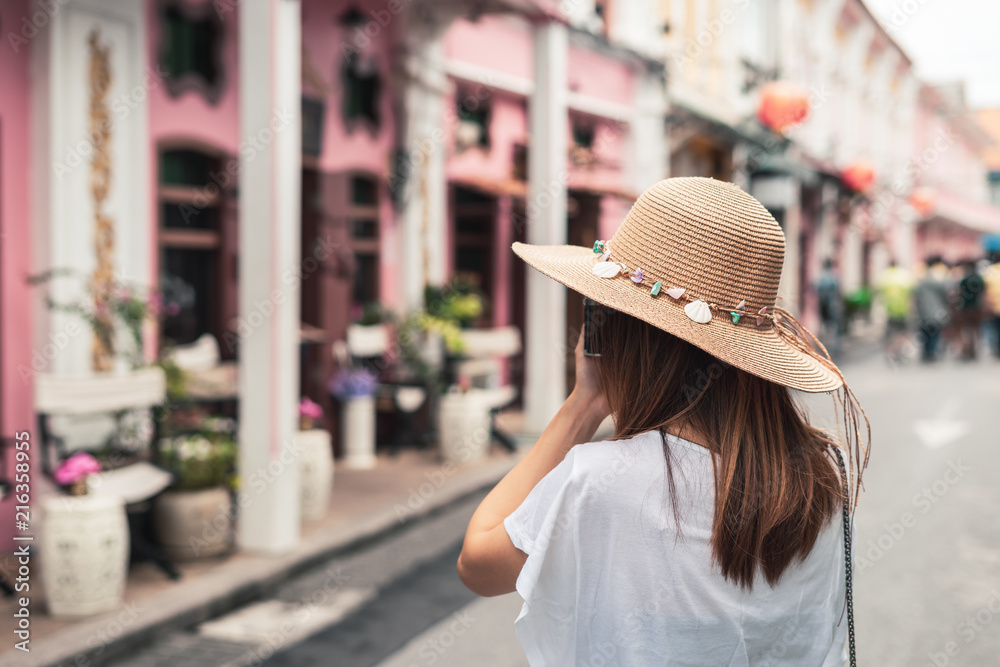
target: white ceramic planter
<point>358,431</point>
<point>194,524</point>
<point>315,472</point>
<point>464,427</point>
<point>84,555</point>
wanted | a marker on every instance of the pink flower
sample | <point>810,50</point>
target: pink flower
<point>308,408</point>
<point>155,302</point>
<point>77,467</point>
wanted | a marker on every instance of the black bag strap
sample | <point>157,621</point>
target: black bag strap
<point>847,555</point>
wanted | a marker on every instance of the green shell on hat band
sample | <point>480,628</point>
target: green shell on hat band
<point>656,288</point>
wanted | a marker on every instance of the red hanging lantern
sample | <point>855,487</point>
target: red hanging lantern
<point>859,176</point>
<point>782,105</point>
<point>922,202</point>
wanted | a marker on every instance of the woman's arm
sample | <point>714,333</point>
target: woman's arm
<point>490,563</point>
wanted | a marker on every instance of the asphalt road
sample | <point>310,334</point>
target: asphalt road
<point>927,588</point>
<point>928,540</point>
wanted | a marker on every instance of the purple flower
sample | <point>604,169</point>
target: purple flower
<point>352,383</point>
<point>77,467</point>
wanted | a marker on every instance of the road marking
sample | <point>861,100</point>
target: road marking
<point>935,433</point>
<point>943,429</point>
<point>283,623</point>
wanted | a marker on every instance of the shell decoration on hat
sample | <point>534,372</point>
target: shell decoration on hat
<point>606,269</point>
<point>740,310</point>
<point>697,310</point>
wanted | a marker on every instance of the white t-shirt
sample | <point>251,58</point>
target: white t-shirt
<point>608,580</point>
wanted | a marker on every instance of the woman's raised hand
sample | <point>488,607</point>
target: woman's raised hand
<point>587,389</point>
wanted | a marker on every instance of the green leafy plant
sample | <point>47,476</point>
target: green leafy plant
<point>373,313</point>
<point>104,309</point>
<point>446,311</point>
<point>459,302</point>
<point>200,460</point>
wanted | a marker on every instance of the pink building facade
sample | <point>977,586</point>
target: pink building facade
<point>17,347</point>
<point>415,166</point>
<point>952,200</point>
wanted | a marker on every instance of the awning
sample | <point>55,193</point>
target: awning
<point>949,208</point>
<point>711,122</point>
<point>780,163</point>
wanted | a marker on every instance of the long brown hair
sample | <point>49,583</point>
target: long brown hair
<point>776,485</point>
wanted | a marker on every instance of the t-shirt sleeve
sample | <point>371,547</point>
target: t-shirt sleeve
<point>546,527</point>
<point>532,525</point>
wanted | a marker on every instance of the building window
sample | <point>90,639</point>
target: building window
<point>191,243</point>
<point>473,121</point>
<point>363,220</point>
<point>519,162</point>
<point>313,114</point>
<point>475,214</point>
<point>581,150</point>
<point>362,84</point>
<point>191,47</point>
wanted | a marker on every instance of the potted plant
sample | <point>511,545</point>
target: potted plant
<point>463,416</point>
<point>72,473</point>
<point>85,544</point>
<point>463,424</point>
<point>310,413</point>
<point>315,462</point>
<point>355,388</point>
<point>194,519</point>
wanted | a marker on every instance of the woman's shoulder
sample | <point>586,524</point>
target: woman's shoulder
<point>626,459</point>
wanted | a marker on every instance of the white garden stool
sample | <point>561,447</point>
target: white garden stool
<point>84,544</point>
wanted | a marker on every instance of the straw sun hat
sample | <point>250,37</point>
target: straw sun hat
<point>700,259</point>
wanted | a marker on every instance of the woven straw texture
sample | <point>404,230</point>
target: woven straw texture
<point>722,246</point>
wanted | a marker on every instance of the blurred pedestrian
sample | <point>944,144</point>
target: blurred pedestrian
<point>969,310</point>
<point>831,305</point>
<point>992,279</point>
<point>716,517</point>
<point>895,286</point>
<point>930,298</point>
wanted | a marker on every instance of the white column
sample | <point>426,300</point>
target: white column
<point>545,384</point>
<point>649,163</point>
<point>270,45</point>
<point>424,237</point>
<point>63,197</point>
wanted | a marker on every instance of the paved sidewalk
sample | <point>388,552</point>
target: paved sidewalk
<point>365,505</point>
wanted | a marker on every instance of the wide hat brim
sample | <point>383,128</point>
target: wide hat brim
<point>756,350</point>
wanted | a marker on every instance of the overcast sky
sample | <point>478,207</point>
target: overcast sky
<point>949,40</point>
